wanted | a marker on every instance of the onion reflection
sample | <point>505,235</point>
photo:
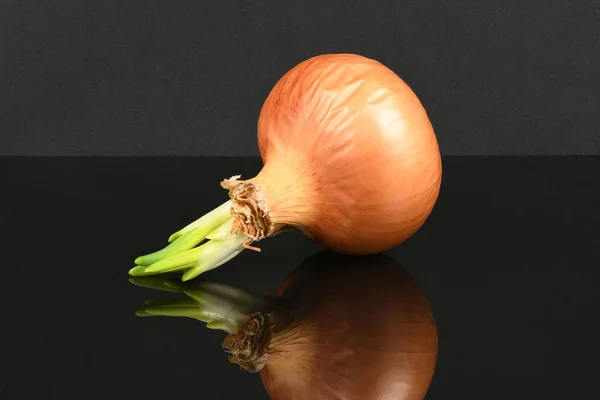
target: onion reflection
<point>339,327</point>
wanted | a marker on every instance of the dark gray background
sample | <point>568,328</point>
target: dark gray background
<point>189,77</point>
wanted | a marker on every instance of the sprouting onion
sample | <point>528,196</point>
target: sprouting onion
<point>350,158</point>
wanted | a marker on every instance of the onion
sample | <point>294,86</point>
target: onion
<point>350,158</point>
<point>339,327</point>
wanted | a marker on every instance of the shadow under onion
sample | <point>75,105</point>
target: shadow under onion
<point>339,327</point>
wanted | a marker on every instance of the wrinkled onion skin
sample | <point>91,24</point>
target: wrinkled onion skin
<point>346,138</point>
<point>364,330</point>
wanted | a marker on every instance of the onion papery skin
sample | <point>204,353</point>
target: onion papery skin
<point>340,327</point>
<point>350,155</point>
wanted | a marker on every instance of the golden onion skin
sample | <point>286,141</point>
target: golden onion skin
<point>350,156</point>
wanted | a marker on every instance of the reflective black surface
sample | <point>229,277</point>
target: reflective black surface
<point>508,261</point>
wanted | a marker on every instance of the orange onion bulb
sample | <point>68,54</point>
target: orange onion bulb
<point>349,155</point>
<point>350,158</point>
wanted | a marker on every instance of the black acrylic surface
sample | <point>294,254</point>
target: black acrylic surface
<point>508,260</point>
